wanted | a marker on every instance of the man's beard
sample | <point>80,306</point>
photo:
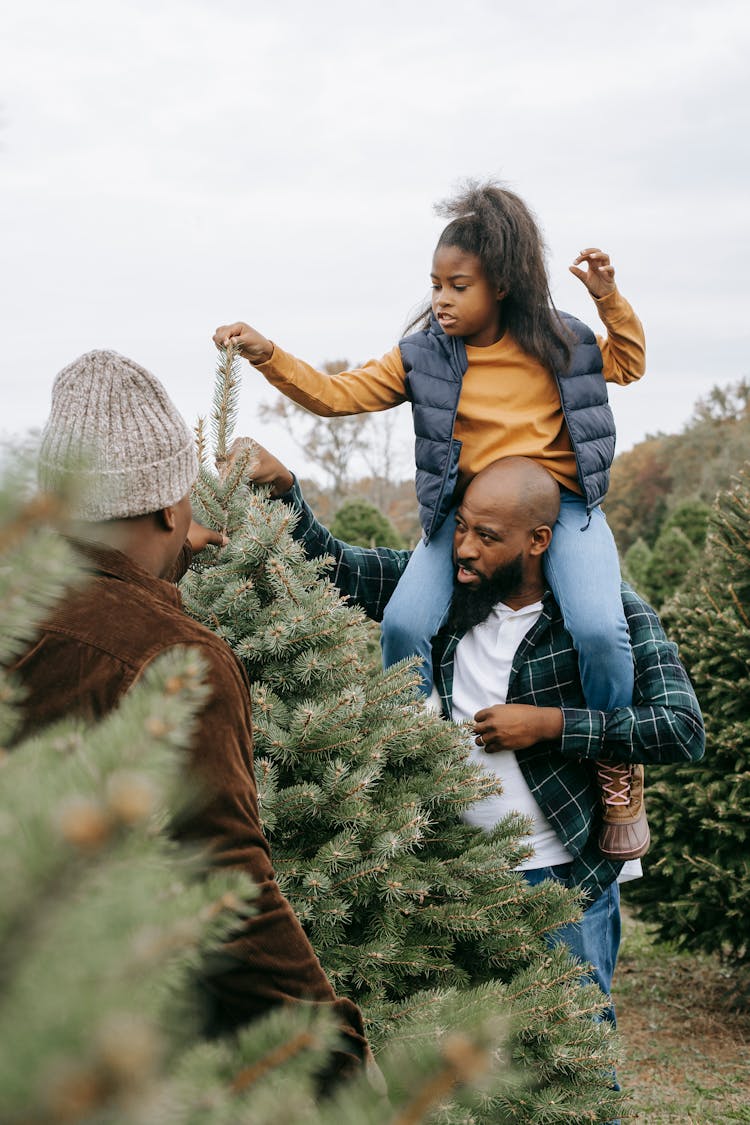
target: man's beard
<point>471,605</point>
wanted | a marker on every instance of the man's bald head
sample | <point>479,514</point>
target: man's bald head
<point>529,496</point>
<point>503,529</point>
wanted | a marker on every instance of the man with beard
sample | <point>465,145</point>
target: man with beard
<point>505,662</point>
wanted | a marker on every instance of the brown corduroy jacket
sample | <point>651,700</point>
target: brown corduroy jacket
<point>95,647</point>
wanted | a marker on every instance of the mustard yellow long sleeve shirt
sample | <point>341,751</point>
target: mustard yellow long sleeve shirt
<point>509,403</point>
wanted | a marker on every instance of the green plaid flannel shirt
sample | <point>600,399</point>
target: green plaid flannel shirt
<point>664,723</point>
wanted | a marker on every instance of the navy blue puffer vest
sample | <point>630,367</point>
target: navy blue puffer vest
<point>435,365</point>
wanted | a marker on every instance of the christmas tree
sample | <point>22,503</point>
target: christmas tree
<point>105,918</point>
<point>635,566</point>
<point>359,521</point>
<point>699,874</point>
<point>671,559</point>
<point>361,791</point>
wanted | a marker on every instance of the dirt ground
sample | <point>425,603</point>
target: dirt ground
<point>685,1026</point>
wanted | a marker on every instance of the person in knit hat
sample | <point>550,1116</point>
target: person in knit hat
<point>114,434</point>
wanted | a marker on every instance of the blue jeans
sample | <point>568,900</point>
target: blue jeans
<point>420,603</point>
<point>583,570</point>
<point>594,940</point>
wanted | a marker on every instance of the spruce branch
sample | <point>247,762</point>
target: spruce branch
<point>40,511</point>
<point>739,607</point>
<point>463,1061</point>
<point>200,440</point>
<point>249,1075</point>
<point>226,403</point>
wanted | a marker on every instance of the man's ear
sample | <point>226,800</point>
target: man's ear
<point>541,537</point>
<point>166,519</point>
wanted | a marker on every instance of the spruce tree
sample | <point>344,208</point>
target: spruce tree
<point>671,559</point>
<point>361,791</point>
<point>635,566</point>
<point>691,516</point>
<point>698,887</point>
<point>360,522</point>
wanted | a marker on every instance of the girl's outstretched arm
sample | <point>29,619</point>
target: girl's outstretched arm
<point>377,384</point>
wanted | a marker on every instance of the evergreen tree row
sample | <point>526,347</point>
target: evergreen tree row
<point>698,881</point>
<point>657,476</point>
<point>657,573</point>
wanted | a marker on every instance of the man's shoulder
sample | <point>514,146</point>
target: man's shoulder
<point>644,622</point>
<point>99,643</point>
<point>633,602</point>
<point>123,622</point>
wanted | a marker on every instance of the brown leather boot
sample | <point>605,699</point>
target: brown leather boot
<point>625,833</point>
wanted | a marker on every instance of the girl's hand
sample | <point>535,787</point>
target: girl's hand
<point>248,342</point>
<point>599,277</point>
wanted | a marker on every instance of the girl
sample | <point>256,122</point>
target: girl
<point>493,370</point>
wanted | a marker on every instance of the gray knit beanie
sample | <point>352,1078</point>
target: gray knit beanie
<point>113,425</point>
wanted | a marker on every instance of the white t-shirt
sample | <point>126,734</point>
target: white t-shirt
<point>481,672</point>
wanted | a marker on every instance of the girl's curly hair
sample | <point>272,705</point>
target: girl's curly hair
<point>494,224</point>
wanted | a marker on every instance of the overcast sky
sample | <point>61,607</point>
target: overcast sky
<point>170,165</point>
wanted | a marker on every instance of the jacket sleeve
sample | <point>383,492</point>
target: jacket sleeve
<point>664,723</point>
<point>378,385</point>
<point>366,575</point>
<point>269,960</point>
<point>624,347</point>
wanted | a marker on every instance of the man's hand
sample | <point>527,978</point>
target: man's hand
<point>263,467</point>
<point>599,276</point>
<point>199,537</point>
<point>514,726</point>
<point>247,342</point>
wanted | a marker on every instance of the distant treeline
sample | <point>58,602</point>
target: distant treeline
<point>663,472</point>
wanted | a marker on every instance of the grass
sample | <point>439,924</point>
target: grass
<point>685,1039</point>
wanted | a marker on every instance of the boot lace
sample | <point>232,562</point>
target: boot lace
<point>615,784</point>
